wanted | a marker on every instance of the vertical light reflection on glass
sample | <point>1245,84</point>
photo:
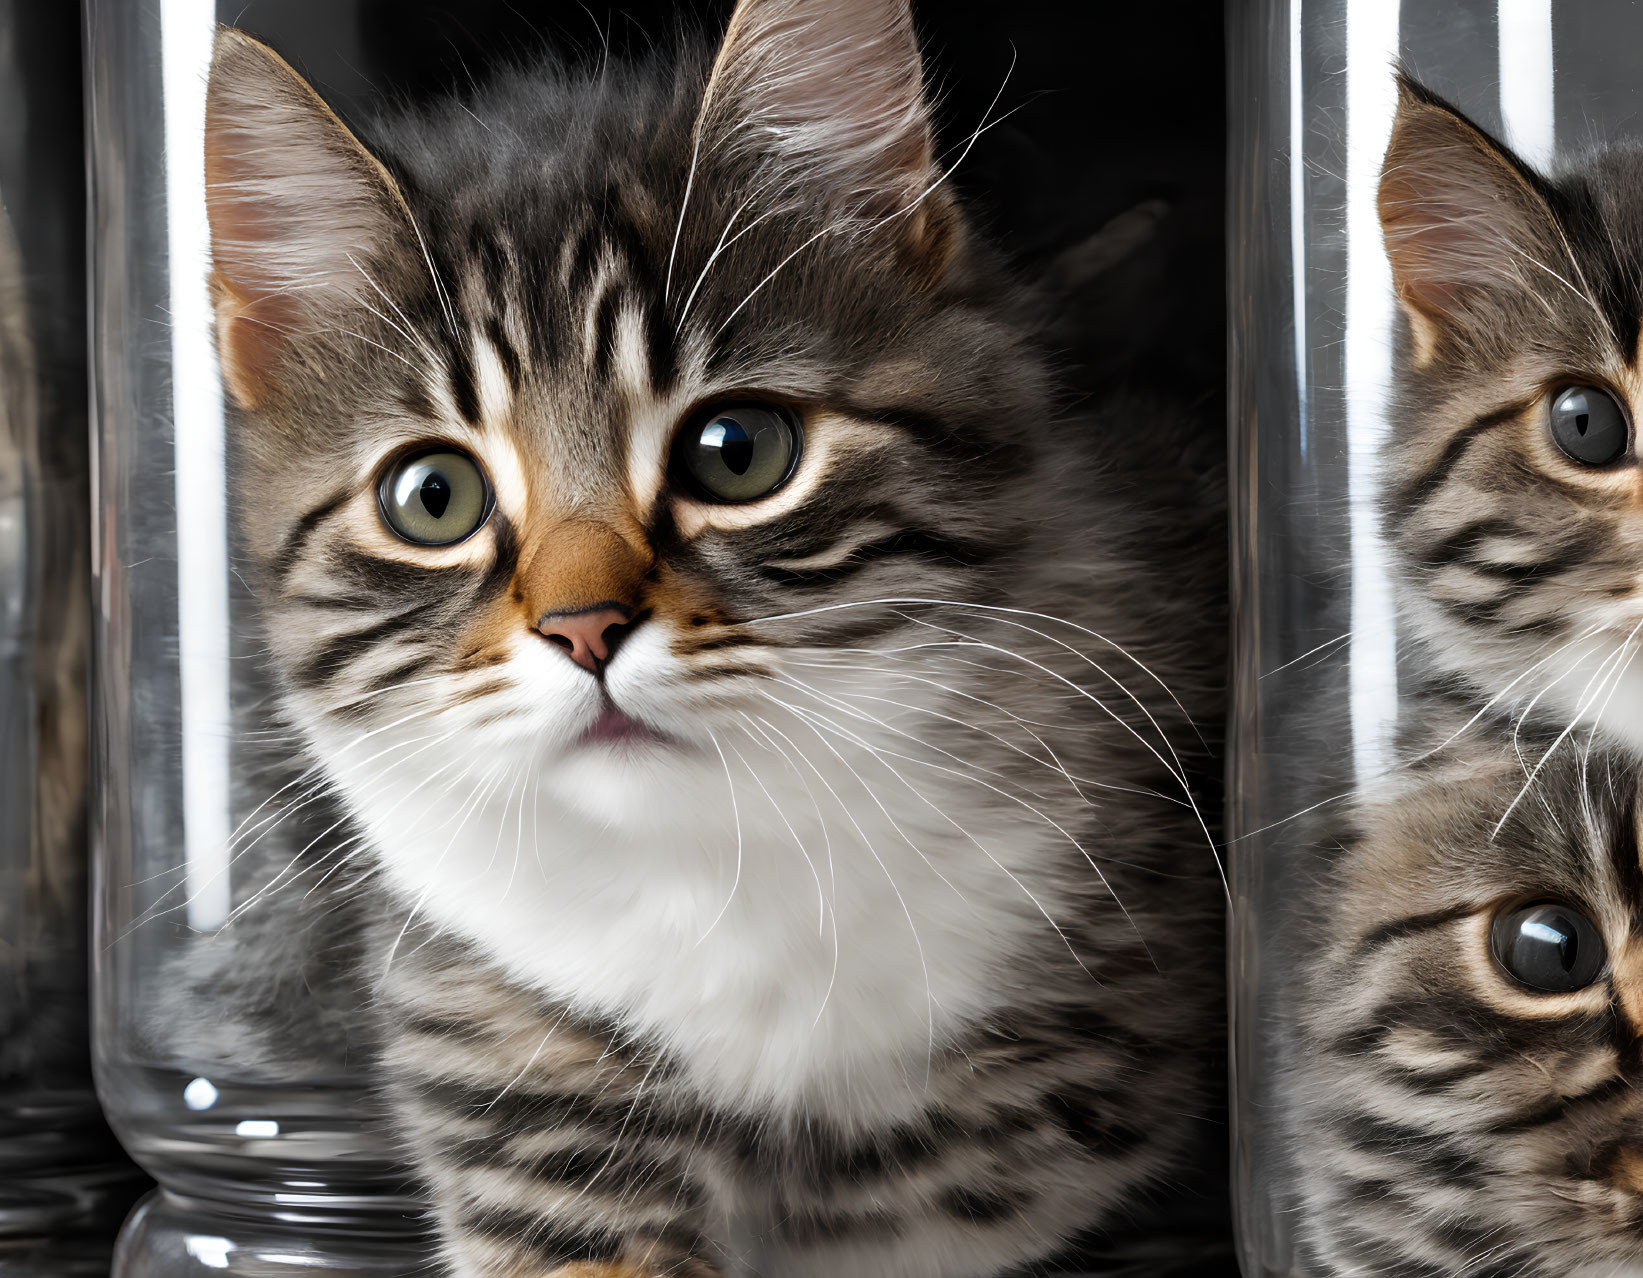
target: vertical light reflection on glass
<point>1371,104</point>
<point>187,30</point>
<point>1297,219</point>
<point>1526,104</point>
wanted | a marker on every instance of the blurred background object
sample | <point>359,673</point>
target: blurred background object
<point>62,1177</point>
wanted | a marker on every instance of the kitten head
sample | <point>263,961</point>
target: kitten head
<point>568,414</point>
<point>1514,491</point>
<point>1473,1030</point>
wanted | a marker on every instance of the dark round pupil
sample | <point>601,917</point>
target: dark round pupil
<point>735,445</point>
<point>435,493</point>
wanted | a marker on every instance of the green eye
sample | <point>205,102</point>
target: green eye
<point>738,452</point>
<point>434,498</point>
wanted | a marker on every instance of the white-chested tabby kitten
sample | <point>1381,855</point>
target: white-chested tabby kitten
<point>1467,1050</point>
<point>1468,1063</point>
<point>1515,497</point>
<point>607,447</point>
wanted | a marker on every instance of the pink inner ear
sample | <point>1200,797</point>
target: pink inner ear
<point>1459,218</point>
<point>296,206</point>
<point>252,313</point>
<point>1441,252</point>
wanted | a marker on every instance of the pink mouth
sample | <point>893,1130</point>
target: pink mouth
<point>612,727</point>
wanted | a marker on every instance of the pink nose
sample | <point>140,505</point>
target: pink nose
<point>587,636</point>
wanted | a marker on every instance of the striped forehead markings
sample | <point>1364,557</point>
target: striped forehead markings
<point>493,388</point>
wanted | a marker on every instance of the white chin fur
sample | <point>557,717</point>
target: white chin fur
<point>791,941</point>
<point>1590,686</point>
<point>618,787</point>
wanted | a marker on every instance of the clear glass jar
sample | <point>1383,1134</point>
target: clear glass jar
<point>228,1022</point>
<point>1334,711</point>
<point>229,1031</point>
<point>61,1173</point>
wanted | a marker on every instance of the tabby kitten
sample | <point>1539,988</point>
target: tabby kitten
<point>1512,472</point>
<point>606,447</point>
<point>1473,1024</point>
<point>1465,1053</point>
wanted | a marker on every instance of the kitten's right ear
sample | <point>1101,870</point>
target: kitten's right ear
<point>297,207</point>
<point>1464,219</point>
<point>834,90</point>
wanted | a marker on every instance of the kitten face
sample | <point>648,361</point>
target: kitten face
<point>556,335</point>
<point>593,438</point>
<point>1474,1031</point>
<point>1514,490</point>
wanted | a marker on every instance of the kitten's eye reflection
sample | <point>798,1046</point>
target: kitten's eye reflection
<point>1589,426</point>
<point>1550,948</point>
<point>434,498</point>
<point>739,452</point>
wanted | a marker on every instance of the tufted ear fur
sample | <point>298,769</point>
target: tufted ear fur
<point>297,208</point>
<point>1465,221</point>
<point>833,90</point>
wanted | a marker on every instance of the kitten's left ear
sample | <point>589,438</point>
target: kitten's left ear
<point>1468,230</point>
<point>297,208</point>
<point>833,90</point>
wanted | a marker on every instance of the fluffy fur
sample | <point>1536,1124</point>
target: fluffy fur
<point>898,954</point>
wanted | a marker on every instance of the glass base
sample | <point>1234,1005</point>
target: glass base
<point>262,1181</point>
<point>169,1236</point>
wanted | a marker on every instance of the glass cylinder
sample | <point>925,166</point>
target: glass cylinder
<point>1401,714</point>
<point>230,1036</point>
<point>229,1030</point>
<point>61,1173</point>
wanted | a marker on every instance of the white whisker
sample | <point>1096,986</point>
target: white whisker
<point>736,812</point>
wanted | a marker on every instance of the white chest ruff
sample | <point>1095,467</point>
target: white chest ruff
<point>804,944</point>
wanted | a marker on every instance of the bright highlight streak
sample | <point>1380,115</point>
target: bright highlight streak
<point>1371,104</point>
<point>1526,103</point>
<point>1297,222</point>
<point>187,30</point>
<point>210,1251</point>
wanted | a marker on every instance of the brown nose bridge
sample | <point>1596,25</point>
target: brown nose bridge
<point>577,566</point>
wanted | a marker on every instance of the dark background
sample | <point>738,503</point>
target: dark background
<point>1109,104</point>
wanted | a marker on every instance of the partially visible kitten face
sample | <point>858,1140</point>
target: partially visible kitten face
<point>556,414</point>
<point>1514,490</point>
<point>1473,1030</point>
